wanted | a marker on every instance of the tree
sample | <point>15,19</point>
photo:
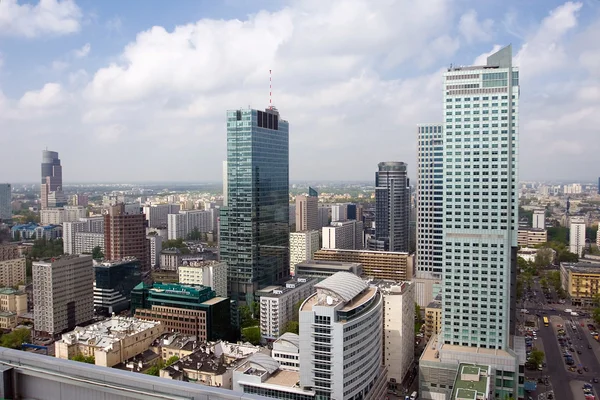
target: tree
<point>252,335</point>
<point>536,357</point>
<point>85,359</point>
<point>195,234</point>
<point>155,369</point>
<point>543,257</point>
<point>596,315</point>
<point>97,253</point>
<point>172,360</point>
<point>292,326</point>
<point>16,338</point>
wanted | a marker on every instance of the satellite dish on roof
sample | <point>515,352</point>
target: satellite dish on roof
<point>329,300</point>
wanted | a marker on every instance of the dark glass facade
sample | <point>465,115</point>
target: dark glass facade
<point>254,226</point>
<point>114,283</point>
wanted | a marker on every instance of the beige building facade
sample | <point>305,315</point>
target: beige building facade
<point>529,237</point>
<point>390,265</point>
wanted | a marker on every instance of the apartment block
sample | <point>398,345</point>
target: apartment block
<point>433,318</point>
<point>155,242</point>
<point>277,304</point>
<point>63,293</point>
<point>52,216</point>
<point>343,235</point>
<point>12,266</point>
<point>577,235</point>
<point>85,242</point>
<point>125,236</point>
<point>206,273</point>
<point>157,214</point>
<point>529,237</point>
<point>389,265</point>
<point>180,225</point>
<point>306,211</point>
<point>581,281</point>
<point>539,219</point>
<point>303,246</point>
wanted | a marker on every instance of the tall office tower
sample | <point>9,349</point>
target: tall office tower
<point>125,236</point>
<point>577,235</point>
<point>480,202</point>
<point>307,211</point>
<point>114,281</point>
<point>225,184</point>
<point>51,189</point>
<point>598,185</point>
<point>430,208</point>
<point>343,235</point>
<point>303,246</point>
<point>341,340</point>
<point>539,219</point>
<point>323,216</point>
<point>156,214</point>
<point>339,212</point>
<point>254,231</point>
<point>5,199</point>
<point>392,208</point>
<point>63,293</point>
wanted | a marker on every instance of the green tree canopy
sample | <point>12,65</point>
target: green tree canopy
<point>195,234</point>
<point>97,253</point>
<point>85,359</point>
<point>292,326</point>
<point>172,360</point>
<point>43,248</point>
<point>16,338</point>
<point>251,334</point>
<point>155,369</point>
<point>596,315</point>
<point>536,357</point>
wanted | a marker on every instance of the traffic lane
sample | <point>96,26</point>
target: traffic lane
<point>555,365</point>
<point>588,357</point>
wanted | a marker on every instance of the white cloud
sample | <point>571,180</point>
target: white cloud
<point>49,96</point>
<point>58,65</point>
<point>83,52</point>
<point>47,17</point>
<point>473,30</point>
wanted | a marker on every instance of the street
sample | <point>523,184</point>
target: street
<point>580,340</point>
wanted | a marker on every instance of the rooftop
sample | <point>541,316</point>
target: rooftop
<point>284,378</point>
<point>202,264</point>
<point>290,338</point>
<point>432,350</point>
<point>389,287</point>
<point>5,314</point>
<point>345,284</point>
<point>582,267</point>
<point>114,263</point>
<point>471,381</point>
<point>104,333</point>
<point>9,291</point>
<point>203,360</point>
<point>290,285</point>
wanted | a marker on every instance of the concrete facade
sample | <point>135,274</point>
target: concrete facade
<point>5,202</point>
<point>577,235</point>
<point>343,235</point>
<point>303,246</point>
<point>209,273</point>
<point>306,213</point>
<point>375,264</point>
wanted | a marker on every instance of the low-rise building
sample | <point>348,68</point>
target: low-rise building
<point>324,269</point>
<point>110,342</point>
<point>170,259</point>
<point>8,320</point>
<point>206,273</point>
<point>277,304</point>
<point>529,237</point>
<point>12,300</point>
<point>33,230</point>
<point>286,351</point>
<point>433,317</point>
<point>12,266</point>
<point>581,281</point>
<point>396,266</point>
<point>202,367</point>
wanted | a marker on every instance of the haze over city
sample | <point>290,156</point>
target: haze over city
<point>139,94</point>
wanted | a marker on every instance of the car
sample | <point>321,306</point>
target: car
<point>587,386</point>
<point>589,346</point>
<point>578,351</point>
<point>550,396</point>
<point>595,380</point>
<point>579,371</point>
<point>586,369</point>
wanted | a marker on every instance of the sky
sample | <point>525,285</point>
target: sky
<point>138,90</point>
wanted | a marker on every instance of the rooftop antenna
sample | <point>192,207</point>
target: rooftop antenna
<point>270,91</point>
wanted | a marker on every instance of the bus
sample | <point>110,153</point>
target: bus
<point>546,321</point>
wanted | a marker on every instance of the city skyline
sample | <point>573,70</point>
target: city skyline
<point>83,74</point>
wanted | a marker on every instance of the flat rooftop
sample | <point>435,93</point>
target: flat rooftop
<point>214,300</point>
<point>465,387</point>
<point>284,378</point>
<point>429,354</point>
<point>360,299</point>
<point>583,267</point>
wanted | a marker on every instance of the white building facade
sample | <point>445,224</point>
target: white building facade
<point>208,273</point>
<point>155,249</point>
<point>577,235</point>
<point>430,207</point>
<point>539,219</point>
<point>303,246</point>
<point>343,235</point>
<point>85,242</point>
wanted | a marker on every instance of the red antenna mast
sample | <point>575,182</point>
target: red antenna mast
<point>270,91</point>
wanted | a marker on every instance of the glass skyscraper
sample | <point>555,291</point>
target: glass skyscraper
<point>480,135</point>
<point>254,227</point>
<point>430,210</point>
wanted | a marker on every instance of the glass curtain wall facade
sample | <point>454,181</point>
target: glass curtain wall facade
<point>481,106</point>
<point>114,283</point>
<point>430,192</point>
<point>255,224</point>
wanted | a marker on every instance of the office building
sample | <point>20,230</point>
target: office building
<point>392,208</point>
<point>344,316</point>
<point>69,230</point>
<point>530,237</point>
<point>343,235</point>
<point>63,294</point>
<point>286,351</point>
<point>539,219</point>
<point>277,304</point>
<point>155,243</point>
<point>12,266</point>
<point>481,111</point>
<point>206,273</point>
<point>398,329</point>
<point>581,281</point>
<point>292,214</point>
<point>426,289</point>
<point>375,264</point>
<point>254,227</point>
<point>324,269</point>
<point>94,224</point>
<point>114,281</point>
<point>307,214</point>
<point>303,246</point>
<point>79,200</point>
<point>125,236</point>
<point>51,188</point>
<point>191,310</point>
<point>113,341</point>
<point>323,216</point>
<point>156,214</point>
<point>339,212</point>
<point>225,186</point>
<point>433,318</point>
<point>577,235</point>
<point>430,191</point>
<point>5,202</point>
